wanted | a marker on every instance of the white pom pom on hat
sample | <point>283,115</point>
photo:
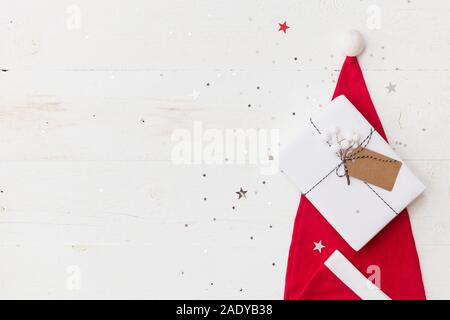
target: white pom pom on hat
<point>352,43</point>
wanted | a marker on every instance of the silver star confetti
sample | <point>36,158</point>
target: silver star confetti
<point>241,193</point>
<point>391,87</point>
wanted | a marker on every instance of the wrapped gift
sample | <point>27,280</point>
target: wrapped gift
<point>349,172</point>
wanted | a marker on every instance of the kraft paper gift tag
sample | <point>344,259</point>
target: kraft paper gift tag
<point>373,167</point>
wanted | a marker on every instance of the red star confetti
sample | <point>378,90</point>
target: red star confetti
<point>283,27</point>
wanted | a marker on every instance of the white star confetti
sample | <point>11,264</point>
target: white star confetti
<point>194,95</point>
<point>318,246</point>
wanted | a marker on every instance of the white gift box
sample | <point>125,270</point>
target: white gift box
<point>357,211</point>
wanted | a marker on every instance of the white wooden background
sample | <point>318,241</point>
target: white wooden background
<point>88,190</point>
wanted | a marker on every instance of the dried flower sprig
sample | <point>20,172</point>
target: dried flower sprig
<point>341,144</point>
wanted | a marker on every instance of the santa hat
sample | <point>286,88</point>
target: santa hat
<point>390,258</point>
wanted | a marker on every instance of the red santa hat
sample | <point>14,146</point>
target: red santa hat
<point>316,248</point>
